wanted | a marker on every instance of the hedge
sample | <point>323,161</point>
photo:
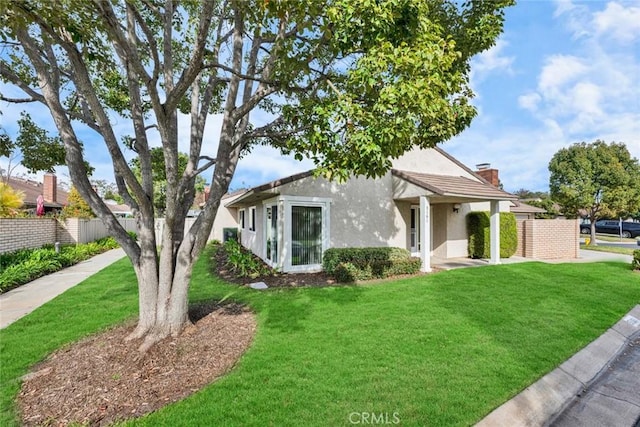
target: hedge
<point>351,264</point>
<point>478,231</point>
<point>635,263</point>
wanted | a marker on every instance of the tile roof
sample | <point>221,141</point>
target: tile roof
<point>449,185</point>
<point>33,189</point>
<point>520,207</point>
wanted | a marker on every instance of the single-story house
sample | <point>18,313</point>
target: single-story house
<point>420,204</point>
<point>524,211</point>
<point>55,197</point>
<point>118,210</point>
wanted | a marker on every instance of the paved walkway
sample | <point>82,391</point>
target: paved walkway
<point>584,256</point>
<point>23,300</point>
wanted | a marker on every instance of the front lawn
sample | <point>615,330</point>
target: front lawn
<point>442,349</point>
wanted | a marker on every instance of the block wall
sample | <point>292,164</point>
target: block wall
<point>22,233</point>
<point>548,238</point>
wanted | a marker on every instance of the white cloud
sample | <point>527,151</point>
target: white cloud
<point>618,22</point>
<point>529,101</point>
<point>493,60</point>
<point>266,164</point>
<point>594,93</point>
<point>558,71</point>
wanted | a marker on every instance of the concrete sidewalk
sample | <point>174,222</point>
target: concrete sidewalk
<point>23,300</point>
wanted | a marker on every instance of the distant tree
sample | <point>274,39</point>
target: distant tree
<point>547,204</point>
<point>33,148</point>
<point>10,200</point>
<point>597,180</point>
<point>113,195</point>
<point>525,194</point>
<point>77,207</point>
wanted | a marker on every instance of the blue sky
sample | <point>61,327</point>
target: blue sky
<point>562,72</point>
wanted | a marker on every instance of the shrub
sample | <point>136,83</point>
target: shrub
<point>25,265</point>
<point>351,264</point>
<point>243,263</point>
<point>635,262</point>
<point>478,230</point>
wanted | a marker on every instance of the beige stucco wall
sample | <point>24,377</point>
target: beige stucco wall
<point>254,239</point>
<point>363,212</point>
<point>429,161</point>
<point>225,218</point>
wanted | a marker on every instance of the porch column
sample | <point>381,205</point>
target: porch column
<point>425,234</point>
<point>494,227</point>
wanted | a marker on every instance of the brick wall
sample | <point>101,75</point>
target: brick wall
<point>20,233</point>
<point>23,233</point>
<point>548,238</point>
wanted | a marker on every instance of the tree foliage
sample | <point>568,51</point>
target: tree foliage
<point>348,83</point>
<point>596,180</point>
<point>77,207</point>
<point>33,147</point>
<point>10,200</point>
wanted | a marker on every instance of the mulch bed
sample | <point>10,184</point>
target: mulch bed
<point>103,379</point>
<point>290,280</point>
<point>275,280</point>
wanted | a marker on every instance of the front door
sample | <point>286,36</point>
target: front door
<point>415,231</point>
<point>272,234</point>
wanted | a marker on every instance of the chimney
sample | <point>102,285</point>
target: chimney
<point>50,188</point>
<point>489,174</point>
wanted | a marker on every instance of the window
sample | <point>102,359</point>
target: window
<point>241,219</point>
<point>252,219</point>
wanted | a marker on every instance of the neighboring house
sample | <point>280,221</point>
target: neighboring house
<point>524,211</point>
<point>55,197</point>
<point>118,210</point>
<point>424,198</point>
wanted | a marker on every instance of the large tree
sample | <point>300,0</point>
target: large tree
<point>596,180</point>
<point>348,83</point>
<point>159,176</point>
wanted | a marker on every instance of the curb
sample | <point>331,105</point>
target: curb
<point>542,401</point>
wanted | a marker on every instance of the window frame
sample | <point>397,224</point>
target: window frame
<point>252,219</point>
<point>241,219</point>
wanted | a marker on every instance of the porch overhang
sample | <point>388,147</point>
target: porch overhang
<point>444,188</point>
<point>266,191</point>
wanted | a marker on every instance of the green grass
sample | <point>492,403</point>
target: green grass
<point>442,349</point>
<point>612,249</point>
<point>611,238</point>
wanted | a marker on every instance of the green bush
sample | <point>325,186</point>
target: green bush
<point>25,265</point>
<point>351,264</point>
<point>478,231</point>
<point>635,263</point>
<point>243,263</point>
